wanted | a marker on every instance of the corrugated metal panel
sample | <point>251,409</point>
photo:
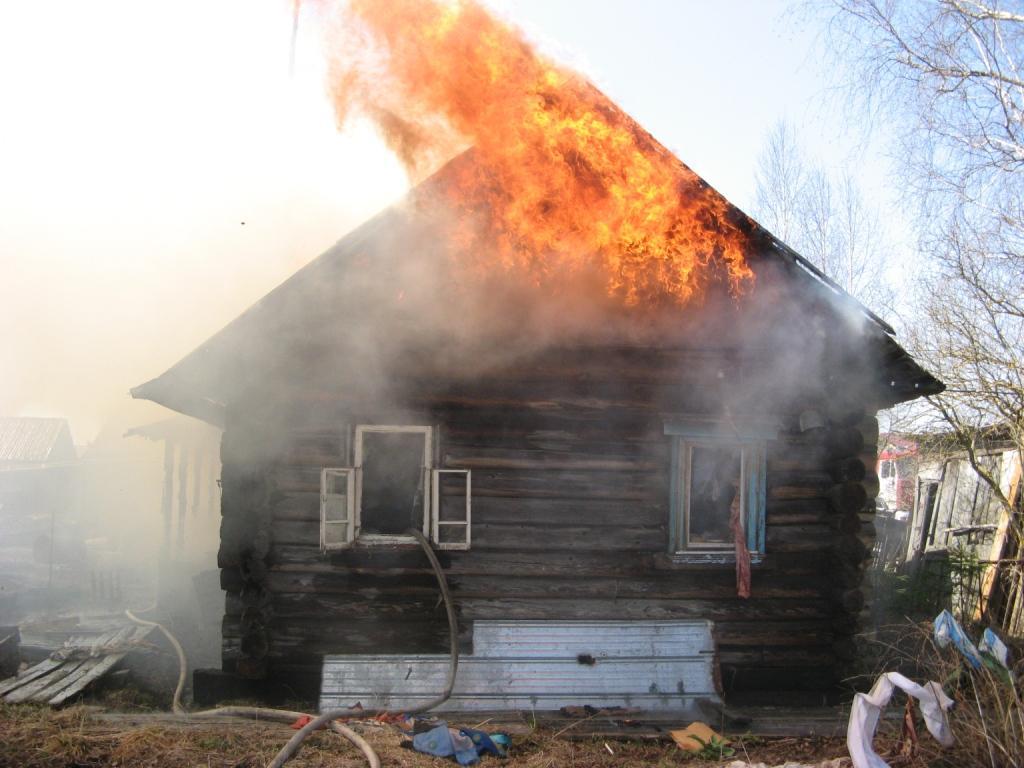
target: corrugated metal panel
<point>34,440</point>
<point>617,639</point>
<point>535,665</point>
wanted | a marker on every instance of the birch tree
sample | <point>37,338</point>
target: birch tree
<point>822,216</point>
<point>944,78</point>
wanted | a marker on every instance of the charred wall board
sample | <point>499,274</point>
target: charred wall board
<point>570,521</point>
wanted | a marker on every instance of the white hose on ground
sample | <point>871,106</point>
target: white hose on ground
<point>288,716</point>
<point>255,713</point>
<point>289,750</point>
<point>330,717</point>
<point>182,661</point>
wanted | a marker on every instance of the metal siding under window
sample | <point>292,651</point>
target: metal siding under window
<point>542,665</point>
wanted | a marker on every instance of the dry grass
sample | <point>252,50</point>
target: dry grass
<point>37,737</point>
<point>986,719</point>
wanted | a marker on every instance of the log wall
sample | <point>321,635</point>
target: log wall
<point>570,521</point>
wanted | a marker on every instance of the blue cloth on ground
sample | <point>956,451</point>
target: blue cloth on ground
<point>485,743</point>
<point>442,741</point>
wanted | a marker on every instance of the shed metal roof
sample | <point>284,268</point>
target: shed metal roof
<point>34,440</point>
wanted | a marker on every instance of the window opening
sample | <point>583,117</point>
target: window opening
<point>715,487</point>
<point>393,483</point>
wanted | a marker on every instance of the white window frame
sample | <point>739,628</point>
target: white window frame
<point>428,463</point>
<point>349,474</point>
<point>431,495</point>
<point>437,522</point>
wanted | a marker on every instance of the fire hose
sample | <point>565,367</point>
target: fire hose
<point>329,718</point>
<point>182,661</point>
<point>289,750</point>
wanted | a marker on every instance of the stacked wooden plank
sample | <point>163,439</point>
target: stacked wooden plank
<point>72,669</point>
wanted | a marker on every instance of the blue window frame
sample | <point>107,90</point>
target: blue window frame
<point>715,469</point>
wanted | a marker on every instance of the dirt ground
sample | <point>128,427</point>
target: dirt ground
<point>82,737</point>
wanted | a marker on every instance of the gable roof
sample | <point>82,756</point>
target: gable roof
<point>340,291</point>
<point>31,440</point>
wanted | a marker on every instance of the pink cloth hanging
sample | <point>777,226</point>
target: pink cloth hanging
<point>742,553</point>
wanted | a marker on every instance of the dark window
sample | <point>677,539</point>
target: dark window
<point>393,479</point>
<point>715,487</point>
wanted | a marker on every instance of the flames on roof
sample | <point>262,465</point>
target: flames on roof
<point>565,182</point>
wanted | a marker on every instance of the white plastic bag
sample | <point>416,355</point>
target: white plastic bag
<point>867,707</point>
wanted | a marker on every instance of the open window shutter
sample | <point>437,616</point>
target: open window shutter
<point>337,508</point>
<point>450,510</point>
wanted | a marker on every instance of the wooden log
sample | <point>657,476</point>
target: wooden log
<point>796,493</point>
<point>733,634</point>
<point>802,538</point>
<point>719,583</point>
<point>848,523</point>
<point>847,498</point>
<point>851,549</point>
<point>305,507</point>
<point>476,457</point>
<point>846,649</point>
<point>868,428</point>
<point>522,537</point>
<point>849,469</point>
<point>307,639</point>
<point>483,561</point>
<point>871,485</point>
<point>783,657</point>
<point>844,441</point>
<point>618,486</point>
<point>846,624</point>
<point>850,600</point>
<point>822,516</point>
<point>714,610</point>
<point>740,678</point>
<point>372,560</point>
<point>844,412</point>
<point>848,574</point>
<point>815,506</point>
<point>802,478</point>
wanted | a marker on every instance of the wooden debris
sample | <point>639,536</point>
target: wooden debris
<point>72,669</point>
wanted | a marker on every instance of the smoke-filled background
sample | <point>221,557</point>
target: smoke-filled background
<point>163,169</point>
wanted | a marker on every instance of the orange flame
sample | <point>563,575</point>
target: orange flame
<point>565,180</point>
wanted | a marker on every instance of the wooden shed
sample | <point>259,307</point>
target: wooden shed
<point>576,461</point>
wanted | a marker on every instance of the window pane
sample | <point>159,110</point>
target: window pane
<point>452,534</point>
<point>714,488</point>
<point>392,495</point>
<point>336,507</point>
<point>451,497</point>
<point>335,533</point>
<point>337,481</point>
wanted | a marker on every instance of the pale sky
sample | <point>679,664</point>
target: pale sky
<point>161,169</point>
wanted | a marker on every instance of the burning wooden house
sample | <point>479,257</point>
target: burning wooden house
<point>695,479</point>
<point>638,431</point>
